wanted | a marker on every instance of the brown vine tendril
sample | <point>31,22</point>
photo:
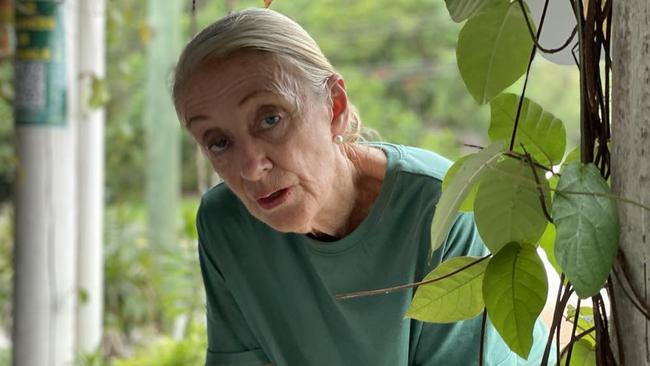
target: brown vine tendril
<point>516,155</point>
<point>563,296</point>
<point>540,190</point>
<point>193,23</point>
<point>602,194</point>
<point>573,333</point>
<point>612,299</point>
<point>604,354</point>
<point>388,290</point>
<point>557,338</point>
<point>568,319</point>
<point>530,63</point>
<point>573,340</point>
<point>634,300</point>
<point>482,345</point>
<point>474,146</point>
<point>534,37</point>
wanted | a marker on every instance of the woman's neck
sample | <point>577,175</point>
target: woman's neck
<point>362,174</point>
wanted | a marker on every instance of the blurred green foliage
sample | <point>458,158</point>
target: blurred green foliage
<point>169,352</point>
<point>398,60</point>
<point>140,298</point>
<point>6,267</point>
<point>8,161</point>
<point>5,357</point>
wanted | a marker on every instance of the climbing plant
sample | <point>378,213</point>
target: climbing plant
<point>526,191</point>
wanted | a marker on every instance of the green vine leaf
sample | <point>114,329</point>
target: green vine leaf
<point>587,228</point>
<point>460,10</point>
<point>507,206</point>
<point>493,50</point>
<point>457,297</point>
<point>543,135</point>
<point>583,354</point>
<point>469,173</point>
<point>585,321</point>
<point>515,290</point>
<point>468,203</point>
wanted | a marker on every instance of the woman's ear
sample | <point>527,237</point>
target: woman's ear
<point>339,104</point>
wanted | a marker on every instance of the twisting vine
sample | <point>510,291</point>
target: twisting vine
<point>594,34</point>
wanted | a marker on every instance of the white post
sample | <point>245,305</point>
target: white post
<point>45,204</point>
<point>90,179</point>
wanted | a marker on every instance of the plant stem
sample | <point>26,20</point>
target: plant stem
<point>482,345</point>
<point>573,333</point>
<point>602,194</point>
<point>634,300</point>
<point>542,199</point>
<point>534,37</point>
<point>530,63</point>
<point>560,304</point>
<point>388,290</point>
<point>617,327</point>
<point>575,339</point>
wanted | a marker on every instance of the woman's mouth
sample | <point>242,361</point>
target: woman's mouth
<point>274,199</point>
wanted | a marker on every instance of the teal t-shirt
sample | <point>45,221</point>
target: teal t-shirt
<point>271,296</point>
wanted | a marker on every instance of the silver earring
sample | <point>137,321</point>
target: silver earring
<point>338,139</point>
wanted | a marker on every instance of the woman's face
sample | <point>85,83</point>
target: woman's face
<point>268,135</point>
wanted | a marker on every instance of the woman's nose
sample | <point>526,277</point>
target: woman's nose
<point>254,162</point>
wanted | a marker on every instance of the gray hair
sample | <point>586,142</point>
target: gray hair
<point>262,30</point>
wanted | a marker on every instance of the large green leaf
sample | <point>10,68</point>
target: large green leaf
<point>468,203</point>
<point>493,50</point>
<point>542,134</point>
<point>583,354</point>
<point>468,174</point>
<point>457,297</point>
<point>507,206</point>
<point>587,228</point>
<point>515,290</point>
<point>460,10</point>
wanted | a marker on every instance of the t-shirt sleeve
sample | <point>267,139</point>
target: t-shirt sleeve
<point>230,340</point>
<point>463,239</point>
<point>459,343</point>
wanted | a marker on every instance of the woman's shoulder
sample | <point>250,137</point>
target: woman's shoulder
<point>219,195</point>
<point>418,161</point>
<point>220,202</point>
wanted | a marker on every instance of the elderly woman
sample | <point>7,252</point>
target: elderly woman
<point>306,211</point>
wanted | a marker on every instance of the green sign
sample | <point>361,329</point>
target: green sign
<point>40,70</point>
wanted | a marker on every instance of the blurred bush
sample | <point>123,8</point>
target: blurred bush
<point>6,267</point>
<point>169,352</point>
<point>146,289</point>
<point>5,357</point>
<point>8,161</point>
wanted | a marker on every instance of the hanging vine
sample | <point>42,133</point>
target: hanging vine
<point>497,45</point>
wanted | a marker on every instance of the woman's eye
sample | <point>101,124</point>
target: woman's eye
<point>218,145</point>
<point>270,121</point>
